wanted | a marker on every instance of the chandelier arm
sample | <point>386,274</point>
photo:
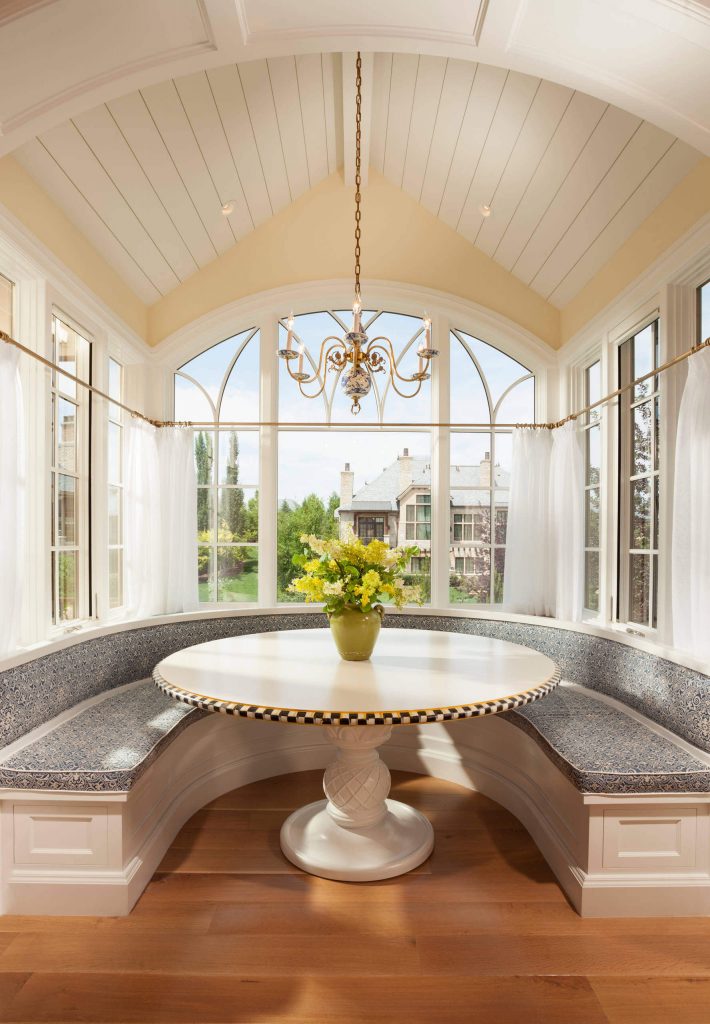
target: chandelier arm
<point>322,366</point>
<point>401,393</point>
<point>389,351</point>
<point>322,377</point>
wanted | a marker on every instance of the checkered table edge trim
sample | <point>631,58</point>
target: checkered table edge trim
<point>415,717</point>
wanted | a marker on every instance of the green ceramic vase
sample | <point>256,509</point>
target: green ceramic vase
<point>355,633</point>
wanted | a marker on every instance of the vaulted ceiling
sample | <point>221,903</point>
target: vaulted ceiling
<point>570,119</point>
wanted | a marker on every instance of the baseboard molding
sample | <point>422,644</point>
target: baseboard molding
<point>127,835</point>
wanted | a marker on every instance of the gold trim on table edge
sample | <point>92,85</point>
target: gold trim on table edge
<point>418,716</point>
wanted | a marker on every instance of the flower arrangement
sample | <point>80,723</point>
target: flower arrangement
<point>347,574</point>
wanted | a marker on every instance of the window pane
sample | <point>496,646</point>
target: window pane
<point>641,439</point>
<point>238,457</point>
<point>205,515</point>
<point>72,354</point>
<point>66,441</point>
<point>593,390</point>
<point>643,360</point>
<point>518,406</point>
<point>114,516</point>
<point>115,577</point>
<point>205,574</point>
<point>238,514</point>
<point>501,511</point>
<point>191,403</point>
<point>204,457</point>
<point>67,583</point>
<point>240,400</point>
<point>657,433</point>
<point>594,455</point>
<point>655,511</point>
<point>115,437</point>
<point>210,367</point>
<point>66,510</point>
<point>499,574</point>
<point>639,588</point>
<point>401,330</point>
<point>237,574</point>
<point>474,586</point>
<point>499,370</point>
<point>640,513</point>
<point>469,403</point>
<point>592,518</point>
<point>591,580</point>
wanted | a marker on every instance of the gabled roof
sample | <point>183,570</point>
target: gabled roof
<point>385,491</point>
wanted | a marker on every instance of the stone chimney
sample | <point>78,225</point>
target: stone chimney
<point>485,473</point>
<point>347,478</point>
<point>405,470</point>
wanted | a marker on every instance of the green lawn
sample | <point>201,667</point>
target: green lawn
<point>235,588</point>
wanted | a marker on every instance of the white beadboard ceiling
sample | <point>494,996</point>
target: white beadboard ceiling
<point>567,176</point>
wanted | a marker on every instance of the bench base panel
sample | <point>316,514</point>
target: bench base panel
<point>93,854</point>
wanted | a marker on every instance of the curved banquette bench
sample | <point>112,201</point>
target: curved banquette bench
<point>98,769</point>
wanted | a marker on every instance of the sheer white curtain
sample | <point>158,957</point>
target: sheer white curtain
<point>13,471</point>
<point>160,501</point>
<point>566,510</point>
<point>142,521</point>
<point>544,559</point>
<point>178,498</point>
<point>527,581</point>
<point>691,513</point>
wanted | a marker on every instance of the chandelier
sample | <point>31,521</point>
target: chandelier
<point>355,357</point>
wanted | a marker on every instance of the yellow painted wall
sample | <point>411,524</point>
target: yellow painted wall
<point>312,240</point>
<point>24,198</point>
<point>680,210</point>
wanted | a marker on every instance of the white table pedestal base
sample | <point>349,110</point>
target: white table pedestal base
<point>357,834</point>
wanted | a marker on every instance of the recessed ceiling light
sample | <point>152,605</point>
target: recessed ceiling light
<point>228,207</point>
<point>485,210</point>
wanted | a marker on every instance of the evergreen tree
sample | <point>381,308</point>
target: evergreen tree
<point>203,468</point>
<point>232,510</point>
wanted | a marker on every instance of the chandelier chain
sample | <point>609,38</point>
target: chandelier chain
<point>358,168</point>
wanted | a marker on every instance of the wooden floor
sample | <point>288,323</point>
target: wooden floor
<point>229,931</point>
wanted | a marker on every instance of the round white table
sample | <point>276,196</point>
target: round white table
<point>414,677</point>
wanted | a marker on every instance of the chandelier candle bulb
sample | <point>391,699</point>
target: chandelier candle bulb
<point>289,337</point>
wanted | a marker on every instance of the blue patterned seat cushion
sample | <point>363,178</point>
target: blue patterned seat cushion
<point>106,747</point>
<point>601,749</point>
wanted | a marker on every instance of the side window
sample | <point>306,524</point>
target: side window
<point>487,386</point>
<point>69,474</point>
<point>639,434</point>
<point>221,386</point>
<point>115,486</point>
<point>592,487</point>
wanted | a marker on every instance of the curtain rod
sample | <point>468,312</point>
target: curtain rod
<point>211,425</point>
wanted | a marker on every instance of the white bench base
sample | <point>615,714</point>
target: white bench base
<point>93,854</point>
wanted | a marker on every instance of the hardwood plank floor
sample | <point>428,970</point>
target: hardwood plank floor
<point>229,931</point>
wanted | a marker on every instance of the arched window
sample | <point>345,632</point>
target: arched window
<point>377,477</point>
<point>492,389</point>
<point>217,388</point>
